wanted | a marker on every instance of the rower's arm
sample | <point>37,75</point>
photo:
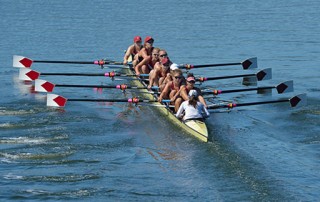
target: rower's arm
<point>179,113</point>
<point>146,58</point>
<point>164,92</point>
<point>128,53</point>
<point>202,100</point>
<point>206,112</point>
<point>183,93</point>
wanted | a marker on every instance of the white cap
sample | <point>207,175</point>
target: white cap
<point>193,93</point>
<point>174,66</point>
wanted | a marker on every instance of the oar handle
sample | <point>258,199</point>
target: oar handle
<point>104,62</point>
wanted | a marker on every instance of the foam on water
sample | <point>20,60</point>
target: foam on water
<point>32,140</point>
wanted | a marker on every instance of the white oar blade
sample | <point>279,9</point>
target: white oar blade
<point>298,100</point>
<point>20,61</point>
<point>28,74</point>
<point>251,63</point>
<point>285,87</point>
<point>264,74</point>
<point>54,100</point>
<point>43,86</point>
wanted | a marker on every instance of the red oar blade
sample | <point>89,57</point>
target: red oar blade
<point>251,63</point>
<point>21,61</point>
<point>28,74</point>
<point>54,100</point>
<point>43,86</point>
<point>298,100</point>
<point>285,87</point>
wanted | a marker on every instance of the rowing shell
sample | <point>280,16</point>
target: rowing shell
<point>193,127</point>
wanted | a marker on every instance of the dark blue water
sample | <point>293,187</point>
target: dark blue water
<point>91,151</point>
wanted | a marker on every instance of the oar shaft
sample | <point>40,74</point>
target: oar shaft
<point>99,86</point>
<point>96,100</point>
<point>107,74</point>
<point>63,62</point>
<point>216,65</point>
<point>97,62</point>
<point>248,89</point>
<point>73,74</point>
<point>112,100</point>
<point>261,103</point>
<point>228,77</point>
<point>232,105</point>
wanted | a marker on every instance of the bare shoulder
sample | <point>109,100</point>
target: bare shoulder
<point>130,49</point>
<point>157,65</point>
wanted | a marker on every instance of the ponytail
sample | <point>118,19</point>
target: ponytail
<point>193,101</point>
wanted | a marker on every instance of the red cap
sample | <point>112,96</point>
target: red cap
<point>137,39</point>
<point>148,38</point>
<point>165,61</point>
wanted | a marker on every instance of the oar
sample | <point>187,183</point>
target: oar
<point>30,75</point>
<point>283,87</point>
<point>21,61</point>
<point>46,86</point>
<point>295,101</point>
<point>250,63</point>
<point>264,74</point>
<point>54,100</point>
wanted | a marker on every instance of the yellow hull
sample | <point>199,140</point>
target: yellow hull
<point>195,128</point>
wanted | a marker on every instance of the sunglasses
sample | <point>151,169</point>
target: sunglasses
<point>178,77</point>
<point>164,55</point>
<point>191,82</point>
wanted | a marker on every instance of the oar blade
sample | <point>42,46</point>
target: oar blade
<point>28,74</point>
<point>264,74</point>
<point>251,63</point>
<point>21,61</point>
<point>285,87</point>
<point>298,100</point>
<point>54,100</point>
<point>43,86</point>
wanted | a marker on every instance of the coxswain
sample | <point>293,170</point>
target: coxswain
<point>190,81</point>
<point>192,109</point>
<point>142,59</point>
<point>172,89</point>
<point>133,49</point>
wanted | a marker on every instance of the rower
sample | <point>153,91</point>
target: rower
<point>133,49</point>
<point>159,69</point>
<point>154,58</point>
<point>172,89</point>
<point>169,76</point>
<point>192,108</point>
<point>142,59</point>
<point>190,86</point>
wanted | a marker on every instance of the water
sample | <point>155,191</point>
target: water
<point>91,151</point>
